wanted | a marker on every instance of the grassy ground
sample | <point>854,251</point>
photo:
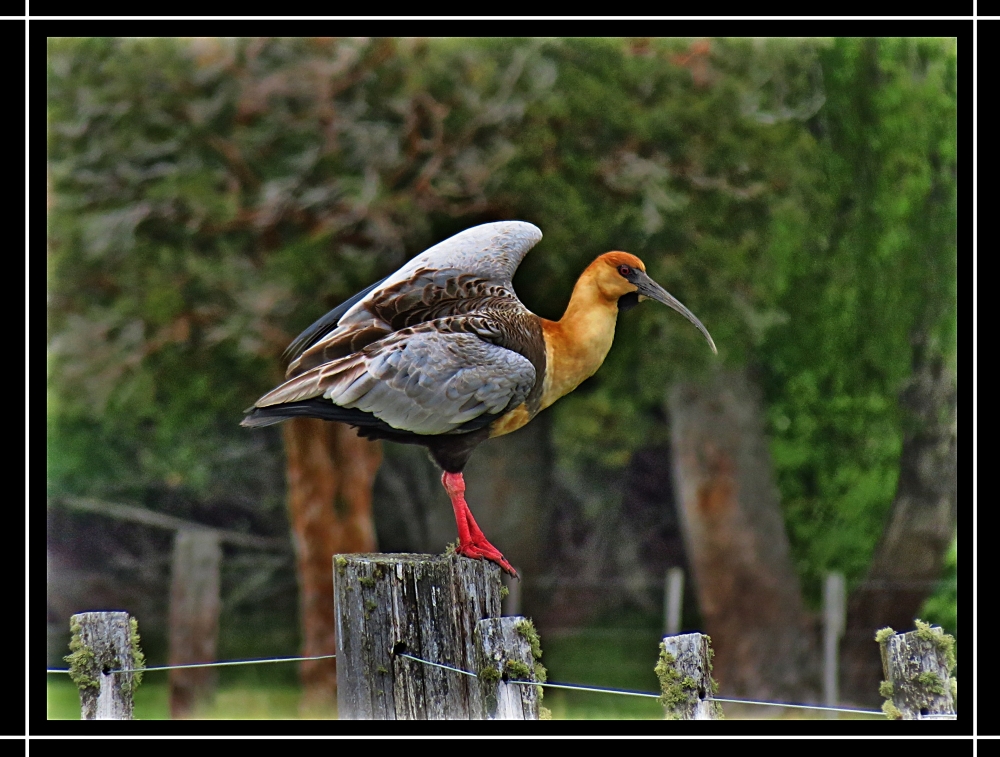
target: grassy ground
<point>231,702</point>
<point>612,658</point>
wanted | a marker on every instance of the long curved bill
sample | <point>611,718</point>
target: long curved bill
<point>652,290</point>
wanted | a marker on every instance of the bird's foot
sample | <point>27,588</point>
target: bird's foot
<point>486,551</point>
<point>471,541</point>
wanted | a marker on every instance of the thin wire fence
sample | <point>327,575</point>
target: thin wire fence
<point>550,685</point>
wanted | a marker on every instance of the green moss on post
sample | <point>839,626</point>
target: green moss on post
<point>489,674</point>
<point>891,711</point>
<point>517,670</point>
<point>82,670</point>
<point>883,635</point>
<point>945,642</point>
<point>526,629</point>
<point>138,658</point>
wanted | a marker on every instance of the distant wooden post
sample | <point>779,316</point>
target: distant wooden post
<point>917,667</point>
<point>194,617</point>
<point>503,654</point>
<point>673,600</point>
<point>834,620</point>
<point>685,673</point>
<point>511,604</point>
<point>390,605</point>
<point>103,642</point>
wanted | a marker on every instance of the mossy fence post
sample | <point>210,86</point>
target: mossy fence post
<point>685,673</point>
<point>390,605</point>
<point>104,642</point>
<point>917,665</point>
<point>507,650</point>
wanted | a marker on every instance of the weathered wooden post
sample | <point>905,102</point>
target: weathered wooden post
<point>390,607</point>
<point>918,684</point>
<point>104,642</point>
<point>507,650</point>
<point>511,604</point>
<point>685,673</point>
<point>673,600</point>
<point>194,617</point>
<point>834,622</point>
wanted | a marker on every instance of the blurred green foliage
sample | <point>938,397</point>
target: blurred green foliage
<point>210,198</point>
<point>867,258</point>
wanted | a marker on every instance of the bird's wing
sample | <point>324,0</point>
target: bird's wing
<point>456,276</point>
<point>429,379</point>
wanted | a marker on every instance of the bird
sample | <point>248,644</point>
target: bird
<point>443,354</point>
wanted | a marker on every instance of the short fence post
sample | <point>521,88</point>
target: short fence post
<point>389,607</point>
<point>673,600</point>
<point>194,617</point>
<point>918,684</point>
<point>104,642</point>
<point>685,673</point>
<point>511,604</point>
<point>504,652</point>
<point>834,618</point>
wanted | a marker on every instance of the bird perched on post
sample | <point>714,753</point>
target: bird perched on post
<point>443,354</point>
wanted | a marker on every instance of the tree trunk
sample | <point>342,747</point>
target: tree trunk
<point>330,475</point>
<point>747,587</point>
<point>909,558</point>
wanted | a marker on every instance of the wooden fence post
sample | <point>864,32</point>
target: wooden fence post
<point>685,673</point>
<point>511,604</point>
<point>834,621</point>
<point>918,684</point>
<point>103,642</point>
<point>507,650</point>
<point>426,606</point>
<point>194,617</point>
<point>673,600</point>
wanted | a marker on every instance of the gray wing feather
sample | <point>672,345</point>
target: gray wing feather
<point>425,381</point>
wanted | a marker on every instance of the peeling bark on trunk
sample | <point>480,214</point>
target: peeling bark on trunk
<point>330,476</point>
<point>736,542</point>
<point>909,558</point>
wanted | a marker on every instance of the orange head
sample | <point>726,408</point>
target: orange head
<point>621,277</point>
<point>611,271</point>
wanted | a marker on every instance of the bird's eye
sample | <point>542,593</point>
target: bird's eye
<point>624,270</point>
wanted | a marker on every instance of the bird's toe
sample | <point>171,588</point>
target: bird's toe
<point>487,552</point>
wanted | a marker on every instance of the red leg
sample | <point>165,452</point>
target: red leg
<point>471,541</point>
